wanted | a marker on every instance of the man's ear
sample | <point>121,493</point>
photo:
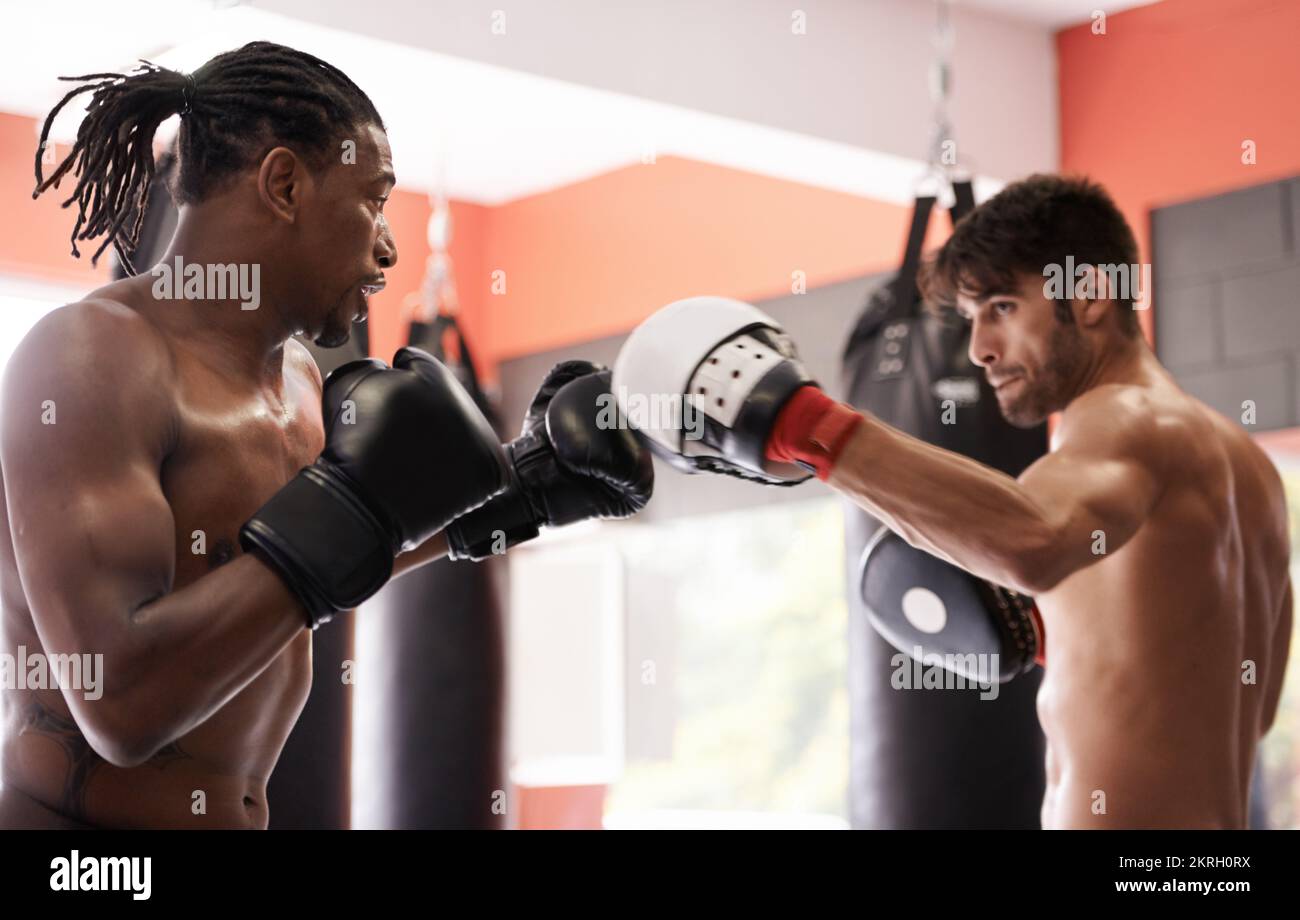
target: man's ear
<point>281,182</point>
<point>1093,296</point>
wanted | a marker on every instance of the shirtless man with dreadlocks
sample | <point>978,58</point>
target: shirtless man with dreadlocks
<point>186,499</point>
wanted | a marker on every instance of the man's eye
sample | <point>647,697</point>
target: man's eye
<point>1003,307</point>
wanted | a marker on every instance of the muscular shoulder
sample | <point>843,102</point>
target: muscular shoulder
<point>1183,440</point>
<point>1119,420</point>
<point>101,337</point>
<point>94,360</point>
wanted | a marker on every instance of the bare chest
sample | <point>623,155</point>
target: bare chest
<point>234,450</point>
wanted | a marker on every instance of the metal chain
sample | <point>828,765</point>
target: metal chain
<point>941,85</point>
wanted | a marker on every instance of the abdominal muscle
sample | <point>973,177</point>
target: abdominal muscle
<point>214,777</point>
<point>1141,702</point>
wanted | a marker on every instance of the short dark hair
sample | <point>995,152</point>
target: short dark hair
<point>1031,224</point>
<point>234,109</point>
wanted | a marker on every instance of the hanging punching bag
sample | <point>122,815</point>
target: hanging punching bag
<point>932,758</point>
<point>310,786</point>
<point>441,670</point>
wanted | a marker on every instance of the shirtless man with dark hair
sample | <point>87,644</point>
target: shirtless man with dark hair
<point>183,494</point>
<point>1153,535</point>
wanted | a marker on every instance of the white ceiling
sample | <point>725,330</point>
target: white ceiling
<point>1054,14</point>
<point>492,133</point>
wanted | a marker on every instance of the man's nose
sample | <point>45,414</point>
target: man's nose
<point>984,349</point>
<point>385,248</point>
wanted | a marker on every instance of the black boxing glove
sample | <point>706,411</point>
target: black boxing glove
<point>406,451</point>
<point>572,461</point>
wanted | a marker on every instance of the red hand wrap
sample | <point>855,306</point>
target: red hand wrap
<point>812,428</point>
<point>1040,659</point>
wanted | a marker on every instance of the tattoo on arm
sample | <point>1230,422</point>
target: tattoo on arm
<point>82,759</point>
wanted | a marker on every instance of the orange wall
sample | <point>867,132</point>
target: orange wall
<point>408,218</point>
<point>590,259</point>
<point>560,808</point>
<point>34,240</point>
<point>1158,107</point>
<point>35,234</point>
<point>597,257</point>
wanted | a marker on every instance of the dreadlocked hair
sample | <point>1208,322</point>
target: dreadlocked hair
<point>234,109</point>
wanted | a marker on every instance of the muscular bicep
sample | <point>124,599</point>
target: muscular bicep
<point>1095,489</point>
<point>83,435</point>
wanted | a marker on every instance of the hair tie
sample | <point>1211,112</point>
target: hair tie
<point>187,94</point>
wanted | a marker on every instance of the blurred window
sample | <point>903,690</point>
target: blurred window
<point>737,701</point>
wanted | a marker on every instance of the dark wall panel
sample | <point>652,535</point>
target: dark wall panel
<point>1227,300</point>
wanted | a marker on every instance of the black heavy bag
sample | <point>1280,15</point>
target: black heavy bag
<point>441,670</point>
<point>932,758</point>
<point>310,785</point>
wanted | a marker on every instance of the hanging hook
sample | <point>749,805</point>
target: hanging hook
<point>941,161</point>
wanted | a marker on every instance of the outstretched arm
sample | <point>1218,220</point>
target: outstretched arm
<point>1103,477</point>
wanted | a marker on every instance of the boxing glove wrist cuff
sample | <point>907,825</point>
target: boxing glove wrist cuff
<point>503,522</point>
<point>812,430</point>
<point>329,548</point>
<point>506,520</point>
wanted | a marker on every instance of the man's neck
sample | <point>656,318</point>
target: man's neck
<point>1122,360</point>
<point>249,343</point>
